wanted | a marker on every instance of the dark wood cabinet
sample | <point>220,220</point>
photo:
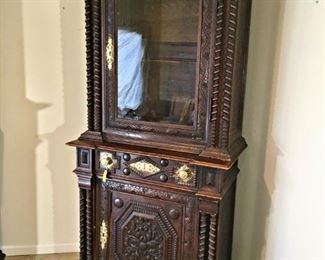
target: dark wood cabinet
<point>157,166</point>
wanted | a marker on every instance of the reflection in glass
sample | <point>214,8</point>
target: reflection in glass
<point>130,71</point>
<point>157,49</point>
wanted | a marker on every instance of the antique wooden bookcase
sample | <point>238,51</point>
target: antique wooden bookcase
<point>157,166</point>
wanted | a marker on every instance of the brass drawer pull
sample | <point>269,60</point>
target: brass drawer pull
<point>107,162</point>
<point>184,174</point>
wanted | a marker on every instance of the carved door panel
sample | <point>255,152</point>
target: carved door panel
<point>144,229</point>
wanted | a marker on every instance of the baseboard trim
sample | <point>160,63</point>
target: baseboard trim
<point>40,249</point>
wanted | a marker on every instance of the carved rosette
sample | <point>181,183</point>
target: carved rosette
<point>143,239</point>
<point>142,232</point>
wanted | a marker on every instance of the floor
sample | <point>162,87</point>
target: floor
<point>71,256</point>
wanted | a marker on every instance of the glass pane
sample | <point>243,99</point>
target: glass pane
<point>157,53</point>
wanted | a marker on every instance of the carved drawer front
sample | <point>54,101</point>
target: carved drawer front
<point>144,229</point>
<point>159,170</point>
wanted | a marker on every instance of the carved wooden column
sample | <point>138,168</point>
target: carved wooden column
<point>83,242</point>
<point>86,224</point>
<point>216,198</point>
<point>93,62</point>
<point>89,224</point>
<point>203,243</point>
<point>89,63</point>
<point>97,64</point>
<point>212,237</point>
<point>84,172</point>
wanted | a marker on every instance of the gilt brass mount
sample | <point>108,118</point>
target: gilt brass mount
<point>107,162</point>
<point>103,235</point>
<point>110,53</point>
<point>144,168</point>
<point>184,174</point>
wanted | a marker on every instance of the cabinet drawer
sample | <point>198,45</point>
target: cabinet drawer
<point>148,169</point>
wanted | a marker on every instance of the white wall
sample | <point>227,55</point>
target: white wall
<point>280,209</point>
<point>42,106</point>
<point>280,200</point>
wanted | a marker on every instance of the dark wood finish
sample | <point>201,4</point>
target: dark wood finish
<point>220,88</point>
<point>83,241</point>
<point>156,214</point>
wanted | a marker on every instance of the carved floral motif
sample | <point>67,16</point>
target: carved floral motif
<point>143,240</point>
<point>143,231</point>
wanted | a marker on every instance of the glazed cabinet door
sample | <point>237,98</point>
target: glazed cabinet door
<point>156,69</point>
<point>137,223</point>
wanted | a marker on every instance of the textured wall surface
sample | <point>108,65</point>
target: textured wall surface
<point>280,200</point>
<point>42,106</point>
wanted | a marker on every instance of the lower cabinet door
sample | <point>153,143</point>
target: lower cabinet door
<point>145,228</point>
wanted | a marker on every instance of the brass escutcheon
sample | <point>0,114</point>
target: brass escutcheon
<point>107,162</point>
<point>103,235</point>
<point>184,173</point>
<point>110,53</point>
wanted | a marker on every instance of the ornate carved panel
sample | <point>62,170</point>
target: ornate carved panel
<point>142,239</point>
<point>144,230</point>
